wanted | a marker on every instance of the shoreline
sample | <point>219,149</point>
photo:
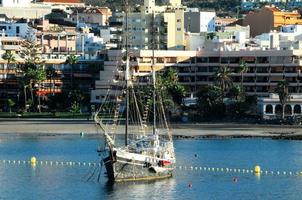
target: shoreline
<point>180,131</point>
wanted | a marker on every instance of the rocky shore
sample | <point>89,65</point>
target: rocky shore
<point>180,131</point>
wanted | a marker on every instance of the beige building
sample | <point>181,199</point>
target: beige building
<point>90,15</point>
<point>197,68</point>
<point>158,26</point>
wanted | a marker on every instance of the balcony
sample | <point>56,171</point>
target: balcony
<point>11,47</point>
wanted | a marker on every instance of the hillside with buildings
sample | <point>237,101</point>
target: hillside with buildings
<point>80,47</point>
<point>225,5</point>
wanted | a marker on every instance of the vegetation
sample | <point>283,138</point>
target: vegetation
<point>10,104</point>
<point>9,57</point>
<point>282,91</point>
<point>71,60</point>
<point>242,69</point>
<point>33,72</point>
<point>223,79</point>
<point>224,98</point>
<point>218,5</point>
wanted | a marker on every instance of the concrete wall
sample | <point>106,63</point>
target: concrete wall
<point>260,22</point>
<point>25,12</point>
<point>15,3</point>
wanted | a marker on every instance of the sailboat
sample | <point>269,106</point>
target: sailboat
<point>147,152</point>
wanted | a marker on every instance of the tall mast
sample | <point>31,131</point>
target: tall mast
<point>153,74</point>
<point>127,75</point>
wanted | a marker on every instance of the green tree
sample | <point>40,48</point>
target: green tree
<point>169,87</point>
<point>76,96</point>
<point>282,91</point>
<point>72,60</point>
<point>32,69</point>
<point>210,101</point>
<point>50,74</point>
<point>10,104</point>
<point>237,93</point>
<point>242,69</point>
<point>223,78</point>
<point>9,57</point>
<point>75,107</point>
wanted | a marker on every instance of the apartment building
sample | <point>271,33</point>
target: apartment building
<point>197,68</point>
<point>56,47</point>
<point>271,18</point>
<point>91,16</point>
<point>161,27</point>
<point>197,22</point>
<point>14,29</point>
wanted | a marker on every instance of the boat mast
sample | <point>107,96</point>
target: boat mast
<point>127,74</point>
<point>153,74</point>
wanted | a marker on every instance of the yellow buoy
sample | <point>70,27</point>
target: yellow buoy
<point>33,160</point>
<point>257,169</point>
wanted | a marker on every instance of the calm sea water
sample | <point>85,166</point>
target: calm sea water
<point>70,182</point>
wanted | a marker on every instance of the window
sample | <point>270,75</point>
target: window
<point>178,29</point>
<point>17,30</point>
<point>178,20</point>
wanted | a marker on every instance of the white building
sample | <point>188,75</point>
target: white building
<point>197,22</point>
<point>270,107</point>
<point>14,29</point>
<point>15,3</point>
<point>92,44</point>
<point>290,37</point>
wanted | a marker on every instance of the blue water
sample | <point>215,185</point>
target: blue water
<point>70,182</point>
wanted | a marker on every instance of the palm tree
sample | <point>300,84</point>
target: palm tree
<point>282,91</point>
<point>50,74</point>
<point>72,60</point>
<point>10,104</point>
<point>242,69</point>
<point>223,78</point>
<point>9,57</point>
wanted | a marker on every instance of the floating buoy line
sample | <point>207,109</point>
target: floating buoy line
<point>256,171</point>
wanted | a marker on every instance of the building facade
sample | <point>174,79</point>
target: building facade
<point>91,16</point>
<point>197,22</point>
<point>271,18</point>
<point>15,3</point>
<point>196,69</point>
<point>161,27</point>
<point>270,107</point>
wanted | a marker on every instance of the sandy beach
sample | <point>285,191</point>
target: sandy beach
<point>55,126</point>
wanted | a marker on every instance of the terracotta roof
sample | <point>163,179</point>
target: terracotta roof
<point>62,1</point>
<point>101,10</point>
<point>273,9</point>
